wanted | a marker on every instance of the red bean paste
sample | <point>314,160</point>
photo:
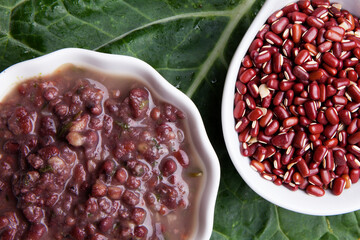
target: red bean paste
<point>90,156</point>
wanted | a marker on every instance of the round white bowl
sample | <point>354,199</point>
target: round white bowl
<point>125,65</point>
<point>297,201</point>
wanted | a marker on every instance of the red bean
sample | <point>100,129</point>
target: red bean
<point>255,114</point>
<point>301,73</point>
<point>354,92</point>
<point>256,45</point>
<point>310,66</point>
<point>332,115</point>
<point>314,91</point>
<point>257,166</point>
<point>278,98</point>
<point>287,47</point>
<point>338,186</point>
<point>253,89</point>
<point>315,190</point>
<point>275,16</point>
<point>239,110</point>
<point>339,100</point>
<point>352,128</point>
<point>277,62</point>
<point>354,175</point>
<point>263,57</point>
<point>330,130</point>
<point>316,128</point>
<point>292,7</point>
<point>263,138</point>
<point>297,178</point>
<point>280,140</point>
<point>303,168</point>
<point>315,22</point>
<point>288,73</point>
<point>288,175</point>
<point>330,60</point>
<point>286,158</point>
<point>281,112</point>
<point>279,25</point>
<point>354,149</point>
<point>318,75</point>
<point>302,56</point>
<point>325,176</point>
<point>354,138</point>
<point>264,29</point>
<point>325,46</point>
<point>242,124</point>
<point>300,139</point>
<point>286,85</point>
<point>250,102</point>
<point>331,143</point>
<point>289,97</point>
<point>321,118</point>
<point>341,83</point>
<point>272,128</point>
<point>310,109</point>
<point>320,153</point>
<point>290,122</point>
<point>272,38</point>
<point>99,190</point>
<point>240,87</point>
<point>246,76</point>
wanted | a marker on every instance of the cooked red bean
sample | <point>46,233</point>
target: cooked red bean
<point>86,156</point>
<point>307,77</point>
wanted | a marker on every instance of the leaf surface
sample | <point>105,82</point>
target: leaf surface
<point>191,44</point>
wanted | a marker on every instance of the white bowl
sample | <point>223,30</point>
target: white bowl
<point>297,201</point>
<point>125,65</point>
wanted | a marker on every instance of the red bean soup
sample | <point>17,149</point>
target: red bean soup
<point>298,97</point>
<point>85,155</point>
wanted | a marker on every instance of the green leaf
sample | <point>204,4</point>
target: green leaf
<point>191,44</point>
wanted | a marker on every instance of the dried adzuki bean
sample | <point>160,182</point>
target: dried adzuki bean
<point>257,166</point>
<point>338,185</point>
<point>303,68</point>
<point>354,175</point>
<point>315,190</point>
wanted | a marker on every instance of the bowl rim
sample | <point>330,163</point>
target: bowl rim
<point>109,63</point>
<point>297,201</point>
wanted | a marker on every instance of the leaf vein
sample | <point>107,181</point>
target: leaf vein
<point>221,234</point>
<point>236,16</point>
<point>165,20</point>
<point>85,22</point>
<point>137,10</point>
<point>328,224</point>
<point>279,223</point>
<point>13,7</point>
<point>23,45</point>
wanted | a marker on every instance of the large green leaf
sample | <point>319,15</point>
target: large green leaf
<point>191,44</point>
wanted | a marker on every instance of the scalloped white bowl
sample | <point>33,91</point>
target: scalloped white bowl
<point>125,65</point>
<point>297,201</point>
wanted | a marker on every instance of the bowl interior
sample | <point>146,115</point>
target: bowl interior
<point>297,201</point>
<point>124,65</point>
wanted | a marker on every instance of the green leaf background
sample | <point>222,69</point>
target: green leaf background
<point>191,44</point>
